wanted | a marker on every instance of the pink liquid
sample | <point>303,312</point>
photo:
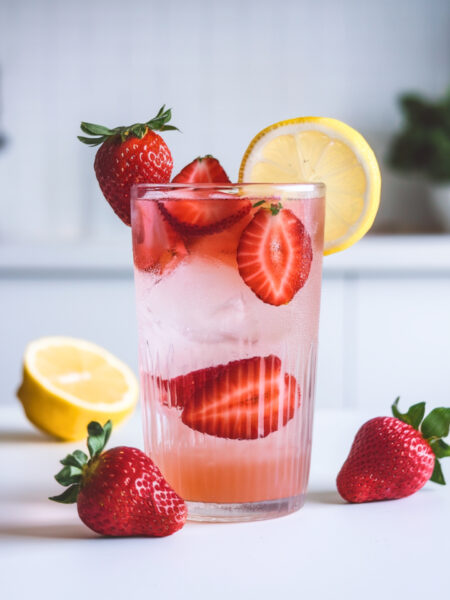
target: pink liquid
<point>199,313</point>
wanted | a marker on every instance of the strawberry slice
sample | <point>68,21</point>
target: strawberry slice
<point>219,246</point>
<point>176,392</point>
<point>157,247</point>
<point>274,255</point>
<point>204,169</point>
<point>245,399</point>
<point>197,216</point>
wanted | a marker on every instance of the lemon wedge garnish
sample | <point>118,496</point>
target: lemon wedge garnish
<point>69,382</point>
<point>317,149</point>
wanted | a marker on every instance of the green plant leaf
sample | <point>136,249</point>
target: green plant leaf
<point>169,128</point>
<point>139,130</point>
<point>95,445</point>
<point>68,475</point>
<point>91,141</point>
<point>414,415</point>
<point>440,448</point>
<point>275,208</point>
<point>437,475</point>
<point>94,428</point>
<point>76,459</point>
<point>92,129</point>
<point>68,496</point>
<point>107,428</point>
<point>98,437</point>
<point>423,144</point>
<point>81,457</point>
<point>397,414</point>
<point>158,123</point>
<point>161,111</point>
<point>101,133</point>
<point>437,423</point>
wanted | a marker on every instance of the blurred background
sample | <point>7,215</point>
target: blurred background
<point>228,69</point>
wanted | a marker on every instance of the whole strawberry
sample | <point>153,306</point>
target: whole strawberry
<point>393,457</point>
<point>127,155</point>
<point>120,492</point>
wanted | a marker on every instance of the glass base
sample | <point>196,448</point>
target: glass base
<point>245,511</point>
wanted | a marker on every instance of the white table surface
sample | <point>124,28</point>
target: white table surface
<point>328,549</point>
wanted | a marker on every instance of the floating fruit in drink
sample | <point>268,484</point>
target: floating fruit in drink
<point>313,149</point>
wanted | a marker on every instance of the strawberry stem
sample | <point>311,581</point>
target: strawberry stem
<point>100,134</point>
<point>274,208</point>
<point>414,415</point>
<point>75,464</point>
<point>435,426</point>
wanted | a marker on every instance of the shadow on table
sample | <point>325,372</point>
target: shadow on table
<point>70,531</point>
<point>324,497</point>
<point>35,496</point>
<point>23,437</point>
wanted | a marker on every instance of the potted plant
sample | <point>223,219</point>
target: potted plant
<point>423,146</point>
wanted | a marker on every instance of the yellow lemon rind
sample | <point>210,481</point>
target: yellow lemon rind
<point>62,414</point>
<point>360,148</point>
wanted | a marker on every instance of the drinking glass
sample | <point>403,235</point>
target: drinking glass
<point>227,379</point>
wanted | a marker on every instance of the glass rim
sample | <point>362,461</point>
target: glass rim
<point>304,187</point>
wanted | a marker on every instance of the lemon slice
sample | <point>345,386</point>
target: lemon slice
<point>69,382</point>
<point>316,149</point>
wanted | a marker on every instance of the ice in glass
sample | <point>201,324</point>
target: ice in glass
<point>228,355</point>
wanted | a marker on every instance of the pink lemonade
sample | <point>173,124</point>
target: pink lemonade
<point>227,374</point>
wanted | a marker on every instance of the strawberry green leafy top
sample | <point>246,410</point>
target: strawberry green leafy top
<point>433,428</point>
<point>100,134</point>
<point>74,464</point>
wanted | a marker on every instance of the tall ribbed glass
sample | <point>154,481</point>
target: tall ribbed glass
<point>227,369</point>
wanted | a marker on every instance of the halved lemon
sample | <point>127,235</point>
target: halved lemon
<point>317,149</point>
<point>69,382</point>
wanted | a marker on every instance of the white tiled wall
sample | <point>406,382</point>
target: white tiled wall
<point>227,68</point>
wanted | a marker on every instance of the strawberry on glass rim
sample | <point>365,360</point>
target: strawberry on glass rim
<point>128,155</point>
<point>192,215</point>
<point>204,169</point>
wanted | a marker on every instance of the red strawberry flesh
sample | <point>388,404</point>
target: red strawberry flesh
<point>220,246</point>
<point>178,391</point>
<point>274,255</point>
<point>157,247</point>
<point>203,212</point>
<point>245,399</point>
<point>120,164</point>
<point>206,169</point>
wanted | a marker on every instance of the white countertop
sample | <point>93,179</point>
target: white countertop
<point>424,254</point>
<point>327,550</point>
